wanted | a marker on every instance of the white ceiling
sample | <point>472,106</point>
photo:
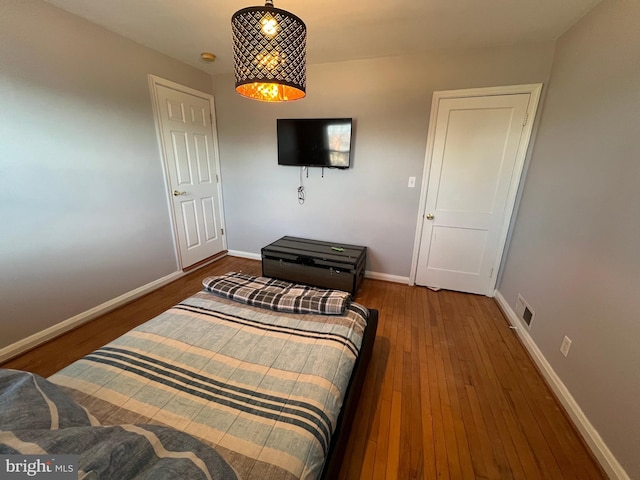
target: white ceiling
<point>337,30</point>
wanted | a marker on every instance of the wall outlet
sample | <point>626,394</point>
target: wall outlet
<point>565,346</point>
<point>412,182</point>
<point>524,311</point>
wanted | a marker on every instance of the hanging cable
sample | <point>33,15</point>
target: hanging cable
<point>301,188</point>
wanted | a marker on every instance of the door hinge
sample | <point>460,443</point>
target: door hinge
<point>211,118</point>
<point>217,178</point>
<point>222,230</point>
<point>526,119</point>
<point>491,273</point>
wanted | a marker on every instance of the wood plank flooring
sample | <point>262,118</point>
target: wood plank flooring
<point>450,392</point>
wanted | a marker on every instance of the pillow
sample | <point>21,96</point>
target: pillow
<point>37,417</point>
<point>277,295</point>
<point>124,452</point>
<point>28,401</point>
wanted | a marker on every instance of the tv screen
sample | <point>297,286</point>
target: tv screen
<point>315,142</point>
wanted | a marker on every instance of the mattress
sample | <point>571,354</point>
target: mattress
<point>264,388</point>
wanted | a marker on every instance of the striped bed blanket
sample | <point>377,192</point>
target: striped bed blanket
<point>37,418</point>
<point>264,388</point>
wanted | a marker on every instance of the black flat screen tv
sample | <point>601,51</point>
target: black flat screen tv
<point>314,142</point>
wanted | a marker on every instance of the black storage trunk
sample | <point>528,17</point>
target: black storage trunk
<point>320,264</point>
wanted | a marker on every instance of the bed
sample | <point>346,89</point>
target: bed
<point>261,376</point>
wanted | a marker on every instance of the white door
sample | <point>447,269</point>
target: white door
<point>477,152</point>
<point>186,129</point>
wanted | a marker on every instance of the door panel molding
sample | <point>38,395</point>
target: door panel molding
<point>534,91</point>
<point>177,113</point>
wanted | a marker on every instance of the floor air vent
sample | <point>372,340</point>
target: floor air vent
<point>524,311</point>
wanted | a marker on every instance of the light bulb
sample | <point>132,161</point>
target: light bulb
<point>269,26</point>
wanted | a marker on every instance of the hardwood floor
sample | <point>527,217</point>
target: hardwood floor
<point>450,392</point>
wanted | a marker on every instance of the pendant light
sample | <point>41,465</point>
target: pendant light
<point>269,53</point>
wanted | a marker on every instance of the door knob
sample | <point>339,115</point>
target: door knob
<point>430,216</point>
<point>176,193</point>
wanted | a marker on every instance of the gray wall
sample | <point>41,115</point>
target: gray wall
<point>369,204</point>
<point>574,254</point>
<point>83,211</point>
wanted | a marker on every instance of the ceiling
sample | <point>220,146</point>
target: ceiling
<point>337,30</point>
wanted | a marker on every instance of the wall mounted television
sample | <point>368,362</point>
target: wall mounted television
<point>314,142</point>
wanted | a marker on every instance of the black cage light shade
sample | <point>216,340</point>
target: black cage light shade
<point>269,54</point>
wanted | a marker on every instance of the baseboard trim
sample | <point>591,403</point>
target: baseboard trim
<point>32,341</point>
<point>386,277</point>
<point>591,436</point>
<point>249,255</point>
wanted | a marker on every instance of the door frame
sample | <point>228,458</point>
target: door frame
<point>154,83</point>
<point>534,90</point>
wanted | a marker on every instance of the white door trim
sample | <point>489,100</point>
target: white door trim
<point>534,90</point>
<point>154,82</point>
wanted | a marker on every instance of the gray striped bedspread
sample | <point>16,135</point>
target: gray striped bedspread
<point>37,418</point>
<point>264,388</point>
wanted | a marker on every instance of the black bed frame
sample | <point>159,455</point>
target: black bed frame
<point>340,436</point>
